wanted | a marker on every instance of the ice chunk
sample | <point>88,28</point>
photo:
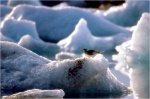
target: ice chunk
<point>82,38</point>
<point>25,32</point>
<point>133,58</point>
<point>18,2</point>
<point>66,55</point>
<point>15,29</point>
<point>142,32</point>
<point>126,14</point>
<point>23,70</point>
<point>38,46</point>
<point>56,24</point>
<point>37,94</point>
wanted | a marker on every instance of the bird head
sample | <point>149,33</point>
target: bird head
<point>84,49</point>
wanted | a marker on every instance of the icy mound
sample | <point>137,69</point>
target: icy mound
<point>82,38</point>
<point>24,32</point>
<point>16,65</point>
<point>133,57</point>
<point>38,46</point>
<point>15,29</point>
<point>56,24</point>
<point>36,93</point>
<point>18,2</point>
<point>4,10</point>
<point>127,14</point>
<point>82,77</point>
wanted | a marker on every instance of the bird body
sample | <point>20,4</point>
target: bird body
<point>91,52</point>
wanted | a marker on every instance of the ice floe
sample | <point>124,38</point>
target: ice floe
<point>133,58</point>
<point>127,14</point>
<point>25,34</point>
<point>55,24</point>
<point>15,29</point>
<point>82,38</point>
<point>82,77</point>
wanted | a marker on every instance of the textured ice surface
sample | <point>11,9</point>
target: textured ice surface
<point>40,47</point>
<point>56,24</point>
<point>15,29</point>
<point>18,2</point>
<point>82,38</point>
<point>83,77</point>
<point>36,94</point>
<point>127,14</point>
<point>133,57</point>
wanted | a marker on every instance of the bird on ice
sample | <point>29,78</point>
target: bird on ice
<point>90,53</point>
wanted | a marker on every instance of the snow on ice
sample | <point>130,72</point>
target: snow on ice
<point>127,14</point>
<point>68,30</point>
<point>81,38</point>
<point>133,58</point>
<point>23,70</point>
<point>37,94</point>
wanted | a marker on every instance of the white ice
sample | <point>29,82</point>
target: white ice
<point>37,94</point>
<point>15,29</point>
<point>82,38</point>
<point>126,14</point>
<point>21,70</point>
<point>66,55</point>
<point>24,33</point>
<point>56,24</point>
<point>133,58</point>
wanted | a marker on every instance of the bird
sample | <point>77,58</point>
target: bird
<point>91,52</point>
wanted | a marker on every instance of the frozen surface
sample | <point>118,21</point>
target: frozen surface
<point>15,29</point>
<point>83,77</point>
<point>36,94</point>
<point>56,24</point>
<point>4,38</point>
<point>133,58</point>
<point>127,14</point>
<point>40,47</point>
<point>3,2</point>
<point>18,2</point>
<point>4,11</point>
<point>25,34</point>
<point>82,38</point>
